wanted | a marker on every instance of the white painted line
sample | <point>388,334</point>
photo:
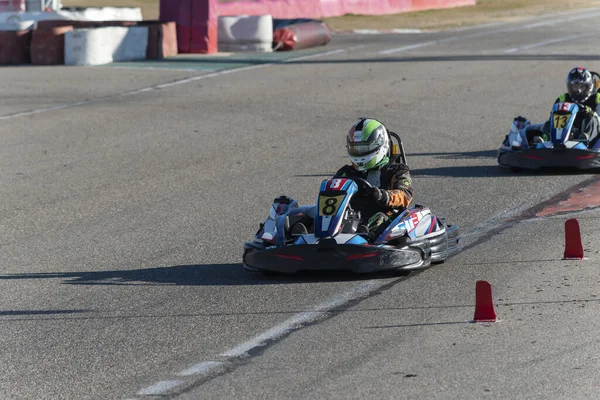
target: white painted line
<point>407,30</point>
<point>170,84</point>
<point>203,368</point>
<point>519,28</point>
<point>491,32</point>
<point>298,320</point>
<point>367,31</point>
<point>159,388</point>
<point>543,17</point>
<point>547,42</point>
<point>410,47</point>
<point>327,53</point>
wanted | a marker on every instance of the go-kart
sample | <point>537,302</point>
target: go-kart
<point>559,144</point>
<point>334,241</point>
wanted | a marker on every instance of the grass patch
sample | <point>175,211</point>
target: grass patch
<point>483,12</point>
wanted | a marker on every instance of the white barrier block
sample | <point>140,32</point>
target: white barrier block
<point>245,33</point>
<point>104,45</point>
<point>102,13</point>
<point>133,45</point>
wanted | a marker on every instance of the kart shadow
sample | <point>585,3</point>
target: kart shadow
<point>196,275</point>
<point>458,155</point>
<point>467,171</point>
<point>491,171</point>
<point>20,313</point>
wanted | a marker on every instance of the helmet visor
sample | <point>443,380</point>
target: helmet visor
<point>361,149</point>
<point>580,91</point>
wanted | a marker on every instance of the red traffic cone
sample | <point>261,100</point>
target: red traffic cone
<point>484,305</point>
<point>573,246</point>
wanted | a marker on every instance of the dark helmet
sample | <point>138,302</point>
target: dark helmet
<point>580,84</point>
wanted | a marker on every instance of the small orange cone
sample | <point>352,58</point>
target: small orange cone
<point>573,246</point>
<point>484,305</point>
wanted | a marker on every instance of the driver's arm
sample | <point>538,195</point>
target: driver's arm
<point>597,109</point>
<point>400,193</point>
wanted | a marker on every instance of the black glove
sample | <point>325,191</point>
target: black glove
<point>586,111</point>
<point>380,196</point>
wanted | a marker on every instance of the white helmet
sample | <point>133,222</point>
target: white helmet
<point>368,144</point>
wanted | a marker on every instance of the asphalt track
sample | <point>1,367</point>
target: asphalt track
<point>127,193</point>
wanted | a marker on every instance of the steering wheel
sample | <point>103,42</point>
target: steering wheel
<point>363,184</point>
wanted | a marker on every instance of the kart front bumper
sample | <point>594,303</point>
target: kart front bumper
<point>550,158</point>
<point>327,255</point>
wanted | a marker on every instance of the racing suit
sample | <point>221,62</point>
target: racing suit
<point>396,182</point>
<point>584,127</point>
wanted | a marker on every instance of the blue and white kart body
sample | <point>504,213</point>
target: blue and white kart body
<point>413,240</point>
<point>560,150</point>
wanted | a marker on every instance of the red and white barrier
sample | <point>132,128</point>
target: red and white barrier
<point>301,36</point>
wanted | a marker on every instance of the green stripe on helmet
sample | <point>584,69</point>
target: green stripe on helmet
<point>369,128</point>
<point>374,164</point>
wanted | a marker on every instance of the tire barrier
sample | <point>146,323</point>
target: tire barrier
<point>48,45</point>
<point>301,36</point>
<point>245,33</point>
<point>162,40</point>
<point>104,45</point>
<point>14,47</point>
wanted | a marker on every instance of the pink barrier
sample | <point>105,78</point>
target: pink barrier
<point>332,8</point>
<point>196,23</point>
<point>12,5</point>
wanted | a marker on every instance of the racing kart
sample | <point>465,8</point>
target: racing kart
<point>334,241</point>
<point>559,144</point>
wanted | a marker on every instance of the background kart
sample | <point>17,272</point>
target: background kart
<point>560,150</point>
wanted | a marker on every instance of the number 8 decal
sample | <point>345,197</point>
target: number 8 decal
<point>330,207</point>
<point>335,183</point>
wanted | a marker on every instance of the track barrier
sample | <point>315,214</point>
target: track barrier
<point>301,36</point>
<point>98,46</point>
<point>245,33</point>
<point>14,47</point>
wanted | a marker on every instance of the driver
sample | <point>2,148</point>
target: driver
<point>368,145</point>
<point>581,89</point>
